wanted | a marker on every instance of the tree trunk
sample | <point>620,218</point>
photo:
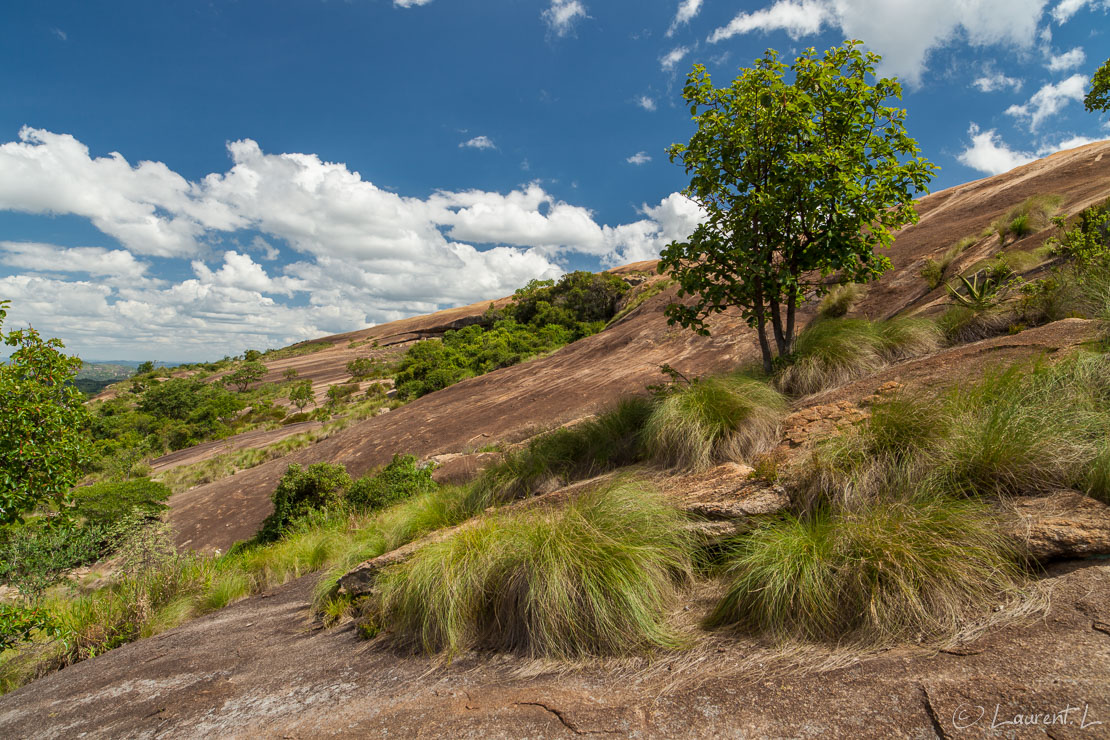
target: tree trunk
<point>761,327</point>
<point>776,325</point>
<point>791,310</point>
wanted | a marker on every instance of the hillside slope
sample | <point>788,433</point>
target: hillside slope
<point>263,666</point>
<point>578,379</point>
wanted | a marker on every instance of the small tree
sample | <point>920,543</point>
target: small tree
<point>1098,99</point>
<point>43,423</point>
<point>290,373</point>
<point>245,374</point>
<point>798,180</point>
<point>362,367</point>
<point>301,395</point>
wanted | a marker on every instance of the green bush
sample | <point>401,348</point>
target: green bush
<point>887,570</point>
<point>339,393</point>
<point>109,502</point>
<point>36,555</point>
<point>713,420</point>
<point>595,577</point>
<point>401,479</point>
<point>301,491</point>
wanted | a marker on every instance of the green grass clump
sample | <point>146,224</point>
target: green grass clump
<point>609,440</point>
<point>592,578</point>
<point>831,352</point>
<point>713,420</point>
<point>935,270</point>
<point>892,569</point>
<point>963,324</point>
<point>839,301</point>
<point>1032,214</point>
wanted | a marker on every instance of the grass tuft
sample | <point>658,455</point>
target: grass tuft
<point>592,578</point>
<point>832,352</point>
<point>714,420</point>
<point>895,569</point>
<point>839,301</point>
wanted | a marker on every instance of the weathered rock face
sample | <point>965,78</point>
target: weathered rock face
<point>1064,524</point>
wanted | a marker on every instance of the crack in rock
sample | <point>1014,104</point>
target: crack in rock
<point>563,719</point>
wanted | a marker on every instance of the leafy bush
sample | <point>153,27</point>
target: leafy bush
<point>713,420</point>
<point>887,570</point>
<point>543,316</point>
<point>593,578</point>
<point>250,371</point>
<point>36,555</point>
<point>401,479</point>
<point>339,393</point>
<point>109,502</point>
<point>303,490</point>
<point>19,622</point>
<point>366,367</point>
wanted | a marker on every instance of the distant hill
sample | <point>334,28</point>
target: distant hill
<point>94,377</point>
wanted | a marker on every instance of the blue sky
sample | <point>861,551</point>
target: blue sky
<point>181,182</point>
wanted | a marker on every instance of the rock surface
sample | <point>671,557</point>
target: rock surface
<point>1064,524</point>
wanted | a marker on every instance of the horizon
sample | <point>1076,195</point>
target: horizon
<point>204,181</point>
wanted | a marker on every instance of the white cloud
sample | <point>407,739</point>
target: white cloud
<point>1071,142</point>
<point>60,34</point>
<point>673,57</point>
<point>96,261</point>
<point>902,31</point>
<point>988,153</point>
<point>687,9</point>
<point>410,3</point>
<point>797,17</point>
<point>1067,60</point>
<point>561,16</point>
<point>639,158</point>
<point>478,142</point>
<point>1049,100</point>
<point>645,102</point>
<point>1063,12</point>
<point>364,255</point>
<point>992,81</point>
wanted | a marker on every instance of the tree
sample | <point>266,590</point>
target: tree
<point>247,373</point>
<point>797,180</point>
<point>1098,99</point>
<point>362,367</point>
<point>301,395</point>
<point>43,423</point>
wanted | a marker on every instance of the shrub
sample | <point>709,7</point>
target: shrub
<point>831,352</point>
<point>302,490</point>
<point>364,367</point>
<point>593,578</point>
<point>109,502</point>
<point>840,300</point>
<point>339,393</point>
<point>301,394</point>
<point>250,371</point>
<point>888,570</point>
<point>290,373</point>
<point>713,420</point>
<point>36,555</point>
<point>401,479</point>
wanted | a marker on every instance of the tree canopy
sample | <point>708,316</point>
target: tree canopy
<point>798,180</point>
<point>43,423</point>
<point>1098,99</point>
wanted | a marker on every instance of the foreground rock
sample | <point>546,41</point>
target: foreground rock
<point>1064,524</point>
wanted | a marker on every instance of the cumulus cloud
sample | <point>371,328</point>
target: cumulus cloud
<point>645,102</point>
<point>95,261</point>
<point>1067,60</point>
<point>561,16</point>
<point>363,255</point>
<point>988,153</point>
<point>639,158</point>
<point>1049,100</point>
<point>902,31</point>
<point>1063,12</point>
<point>410,3</point>
<point>687,9</point>
<point>673,57</point>
<point>478,142</point>
<point>992,81</point>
